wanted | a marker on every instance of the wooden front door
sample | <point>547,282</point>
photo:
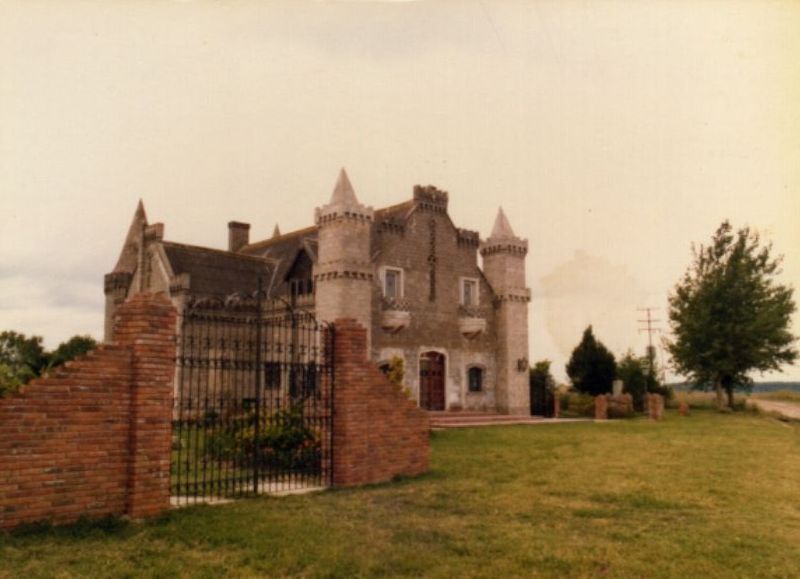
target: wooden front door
<point>431,381</point>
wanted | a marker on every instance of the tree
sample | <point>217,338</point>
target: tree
<point>24,358</point>
<point>630,369</point>
<point>71,349</point>
<point>728,314</point>
<point>542,388</point>
<point>591,367</point>
<point>540,376</point>
<point>396,373</point>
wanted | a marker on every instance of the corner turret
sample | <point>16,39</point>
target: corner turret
<point>343,273</point>
<point>504,266</point>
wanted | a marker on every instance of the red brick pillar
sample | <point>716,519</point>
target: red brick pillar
<point>350,424</point>
<point>601,407</point>
<point>146,324</point>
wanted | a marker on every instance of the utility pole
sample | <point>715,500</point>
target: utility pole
<point>650,328</point>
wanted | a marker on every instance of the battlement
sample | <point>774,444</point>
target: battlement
<point>117,281</point>
<point>430,198</point>
<point>468,238</point>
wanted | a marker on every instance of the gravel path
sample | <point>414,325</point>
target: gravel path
<point>787,409</point>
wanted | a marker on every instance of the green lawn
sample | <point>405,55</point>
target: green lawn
<point>711,495</point>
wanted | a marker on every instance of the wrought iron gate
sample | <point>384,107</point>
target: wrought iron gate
<point>542,400</point>
<point>253,404</point>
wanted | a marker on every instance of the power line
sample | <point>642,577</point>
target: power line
<point>648,325</point>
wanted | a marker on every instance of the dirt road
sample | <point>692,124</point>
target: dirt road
<point>787,409</point>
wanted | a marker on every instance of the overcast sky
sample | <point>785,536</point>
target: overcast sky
<point>614,134</point>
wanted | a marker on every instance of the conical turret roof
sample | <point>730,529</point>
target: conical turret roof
<point>502,228</point>
<point>277,231</point>
<point>127,258</point>
<point>343,193</point>
<point>344,201</point>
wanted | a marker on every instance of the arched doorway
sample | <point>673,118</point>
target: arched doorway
<point>431,381</point>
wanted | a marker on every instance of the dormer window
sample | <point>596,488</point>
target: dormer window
<point>392,283</point>
<point>469,291</point>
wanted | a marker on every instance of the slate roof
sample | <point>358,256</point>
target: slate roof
<point>216,272</point>
<point>282,251</point>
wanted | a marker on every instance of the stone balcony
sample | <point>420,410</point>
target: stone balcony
<point>471,321</point>
<point>395,315</point>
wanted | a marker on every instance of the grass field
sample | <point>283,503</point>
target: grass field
<point>710,495</point>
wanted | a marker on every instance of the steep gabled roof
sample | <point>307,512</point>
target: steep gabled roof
<point>283,250</point>
<point>217,272</point>
<point>399,210</point>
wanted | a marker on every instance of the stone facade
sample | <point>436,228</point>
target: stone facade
<point>404,272</point>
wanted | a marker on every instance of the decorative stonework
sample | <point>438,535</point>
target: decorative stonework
<point>432,260</point>
<point>429,198</point>
<point>392,225</point>
<point>471,327</point>
<point>520,296</point>
<point>343,205</point>
<point>395,315</point>
<point>118,280</point>
<point>467,238</point>
<point>344,274</point>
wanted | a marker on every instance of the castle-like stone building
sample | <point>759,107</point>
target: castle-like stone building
<point>405,272</point>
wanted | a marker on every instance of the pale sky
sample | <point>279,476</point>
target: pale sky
<point>614,134</point>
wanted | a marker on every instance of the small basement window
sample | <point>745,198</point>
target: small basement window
<point>475,379</point>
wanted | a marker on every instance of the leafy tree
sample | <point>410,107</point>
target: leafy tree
<point>396,373</point>
<point>728,314</point>
<point>71,349</point>
<point>542,388</point>
<point>630,370</point>
<point>591,367</point>
<point>23,357</point>
<point>540,376</point>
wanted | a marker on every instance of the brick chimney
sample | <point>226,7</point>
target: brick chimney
<point>238,235</point>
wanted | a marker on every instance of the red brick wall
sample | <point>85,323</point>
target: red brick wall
<point>378,432</point>
<point>93,438</point>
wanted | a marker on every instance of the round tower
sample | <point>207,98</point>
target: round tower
<point>343,273</point>
<point>504,266</point>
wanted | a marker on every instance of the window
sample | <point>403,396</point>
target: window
<point>393,283</point>
<point>385,367</point>
<point>273,375</point>
<point>301,287</point>
<point>475,379</point>
<point>303,381</point>
<point>469,292</point>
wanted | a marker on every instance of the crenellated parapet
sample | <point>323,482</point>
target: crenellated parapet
<point>468,238</point>
<point>517,247</point>
<point>116,282</point>
<point>343,206</point>
<point>503,239</point>
<point>392,224</point>
<point>517,295</point>
<point>345,272</point>
<point>429,198</point>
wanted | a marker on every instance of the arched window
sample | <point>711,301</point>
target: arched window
<point>475,379</point>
